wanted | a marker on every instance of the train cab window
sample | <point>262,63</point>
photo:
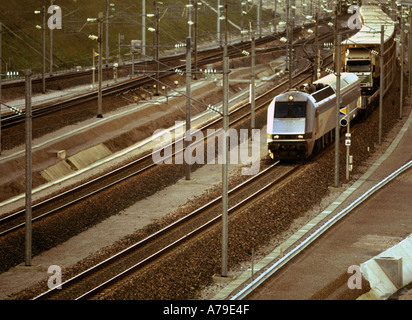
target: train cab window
<point>290,109</point>
<point>358,66</point>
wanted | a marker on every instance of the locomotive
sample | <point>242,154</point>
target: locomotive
<point>303,121</point>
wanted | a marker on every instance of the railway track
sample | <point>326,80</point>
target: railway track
<point>12,120</point>
<point>111,271</point>
<point>261,102</point>
<point>15,221</point>
<point>168,66</point>
<point>169,63</point>
<point>87,73</point>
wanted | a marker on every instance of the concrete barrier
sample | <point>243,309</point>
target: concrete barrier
<point>389,271</point>
<point>56,171</point>
<point>76,162</point>
<point>86,157</point>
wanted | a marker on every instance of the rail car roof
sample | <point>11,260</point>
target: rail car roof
<point>346,79</point>
<point>370,33</point>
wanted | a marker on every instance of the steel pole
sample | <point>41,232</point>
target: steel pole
<point>274,16</point>
<point>107,33</point>
<point>44,52</point>
<point>382,64</point>
<point>100,73</point>
<point>402,43</point>
<point>188,94</point>
<point>259,18</point>
<point>225,173</point>
<point>409,54</point>
<point>337,128</point>
<point>195,42</point>
<point>28,201</point>
<point>157,33</point>
<point>118,48</point>
<point>93,70</point>
<point>252,85</point>
<point>287,35</point>
<point>51,46</point>
<point>348,146</point>
<point>1,63</point>
<point>241,22</point>
<point>317,53</point>
<point>291,54</point>
<point>219,40</point>
<point>144,29</point>
<point>189,9</point>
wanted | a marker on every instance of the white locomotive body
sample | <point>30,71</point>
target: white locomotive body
<point>301,122</point>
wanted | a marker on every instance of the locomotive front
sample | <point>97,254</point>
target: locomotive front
<point>287,130</point>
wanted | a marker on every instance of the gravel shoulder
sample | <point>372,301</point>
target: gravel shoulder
<point>136,217</point>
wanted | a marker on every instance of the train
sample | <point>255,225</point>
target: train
<point>302,121</point>
<point>360,54</point>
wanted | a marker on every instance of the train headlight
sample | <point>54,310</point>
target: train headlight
<point>276,136</point>
<point>290,98</point>
<point>300,136</point>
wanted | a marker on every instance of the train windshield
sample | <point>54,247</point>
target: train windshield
<point>358,66</point>
<point>290,109</point>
